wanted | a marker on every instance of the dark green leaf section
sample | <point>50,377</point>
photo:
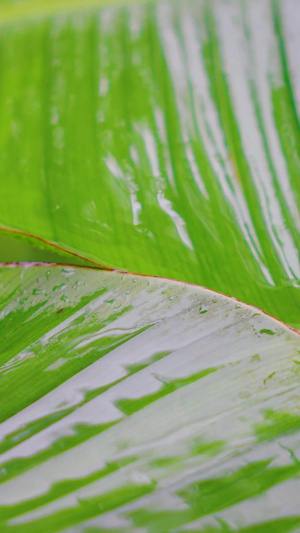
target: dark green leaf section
<point>277,424</point>
<point>128,407</point>
<point>86,510</point>
<point>131,402</point>
<point>16,248</point>
<point>213,495</point>
<point>159,138</point>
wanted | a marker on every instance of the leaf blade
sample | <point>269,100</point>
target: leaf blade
<point>121,121</point>
<point>155,429</point>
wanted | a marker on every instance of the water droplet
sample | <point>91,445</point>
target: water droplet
<point>203,309</point>
<point>267,331</point>
<point>35,292</point>
<point>59,287</point>
<point>68,272</point>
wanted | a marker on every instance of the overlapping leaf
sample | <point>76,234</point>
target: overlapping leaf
<point>130,403</point>
<point>161,138</point>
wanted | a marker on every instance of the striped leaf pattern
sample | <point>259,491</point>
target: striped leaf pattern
<point>136,404</point>
<point>158,137</point>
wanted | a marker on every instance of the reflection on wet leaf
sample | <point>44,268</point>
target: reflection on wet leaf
<point>133,409</point>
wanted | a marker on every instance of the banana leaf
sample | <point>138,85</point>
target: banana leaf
<point>158,137</point>
<point>139,404</point>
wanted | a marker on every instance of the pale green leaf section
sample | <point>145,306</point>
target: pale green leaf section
<point>140,404</point>
<point>160,138</point>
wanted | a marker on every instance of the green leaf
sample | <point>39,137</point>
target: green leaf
<point>160,138</point>
<point>16,247</point>
<point>131,403</point>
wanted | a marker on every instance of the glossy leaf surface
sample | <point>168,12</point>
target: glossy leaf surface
<point>160,138</point>
<point>138,404</point>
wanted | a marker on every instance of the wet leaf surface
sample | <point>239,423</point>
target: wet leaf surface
<point>125,407</point>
